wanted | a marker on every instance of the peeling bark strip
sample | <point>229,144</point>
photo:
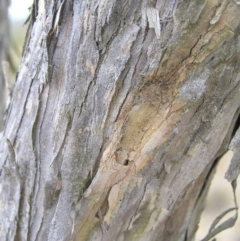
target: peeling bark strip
<point>215,228</point>
<point>119,112</point>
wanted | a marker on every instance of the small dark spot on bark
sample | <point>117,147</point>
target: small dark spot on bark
<point>126,162</point>
<point>97,215</point>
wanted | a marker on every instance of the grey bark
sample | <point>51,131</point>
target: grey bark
<point>4,32</point>
<point>120,112</point>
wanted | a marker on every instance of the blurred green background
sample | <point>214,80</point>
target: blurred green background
<point>18,13</point>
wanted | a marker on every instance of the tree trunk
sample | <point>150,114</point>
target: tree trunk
<point>3,54</point>
<point>120,112</point>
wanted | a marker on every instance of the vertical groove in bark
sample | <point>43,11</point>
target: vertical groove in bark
<point>119,111</point>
